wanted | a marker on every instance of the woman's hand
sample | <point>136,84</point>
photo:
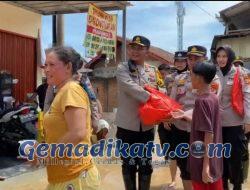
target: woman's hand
<point>35,162</point>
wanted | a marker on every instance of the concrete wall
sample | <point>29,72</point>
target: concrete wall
<point>18,20</point>
<point>240,45</point>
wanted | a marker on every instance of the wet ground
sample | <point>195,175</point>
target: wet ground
<point>23,177</point>
<point>110,174</point>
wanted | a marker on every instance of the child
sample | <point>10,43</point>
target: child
<point>206,173</point>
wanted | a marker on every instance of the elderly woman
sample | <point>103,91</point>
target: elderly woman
<point>68,120</point>
<point>233,124</point>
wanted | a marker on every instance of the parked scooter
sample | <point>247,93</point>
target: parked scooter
<point>16,122</point>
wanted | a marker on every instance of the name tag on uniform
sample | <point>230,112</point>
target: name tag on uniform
<point>230,81</point>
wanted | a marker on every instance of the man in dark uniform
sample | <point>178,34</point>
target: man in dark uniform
<point>41,93</point>
<point>131,78</point>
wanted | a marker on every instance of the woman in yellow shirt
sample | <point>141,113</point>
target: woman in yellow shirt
<point>68,120</point>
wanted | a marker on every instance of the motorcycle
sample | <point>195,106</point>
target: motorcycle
<point>16,122</point>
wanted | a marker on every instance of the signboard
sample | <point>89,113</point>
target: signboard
<point>101,33</point>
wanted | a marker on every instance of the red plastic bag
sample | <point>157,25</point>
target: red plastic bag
<point>157,108</point>
<point>237,95</point>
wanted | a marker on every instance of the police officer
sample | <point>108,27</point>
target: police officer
<point>182,91</point>
<point>233,123</point>
<point>238,62</point>
<point>162,72</point>
<point>165,77</point>
<point>167,131</point>
<point>131,78</point>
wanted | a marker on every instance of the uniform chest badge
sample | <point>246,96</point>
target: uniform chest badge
<point>247,78</point>
<point>214,87</point>
<point>181,82</point>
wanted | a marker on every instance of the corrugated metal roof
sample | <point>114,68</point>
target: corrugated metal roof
<point>237,17</point>
<point>233,10</point>
<point>65,7</point>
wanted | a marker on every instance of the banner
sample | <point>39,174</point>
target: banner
<point>101,33</point>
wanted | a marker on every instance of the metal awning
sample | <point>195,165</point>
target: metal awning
<point>66,7</point>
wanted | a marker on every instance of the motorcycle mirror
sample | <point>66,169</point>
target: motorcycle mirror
<point>14,81</point>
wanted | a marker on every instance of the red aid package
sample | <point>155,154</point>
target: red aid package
<point>237,95</point>
<point>157,108</point>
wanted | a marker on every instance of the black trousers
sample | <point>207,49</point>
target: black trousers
<point>233,166</point>
<point>166,136</point>
<point>180,136</point>
<point>132,165</point>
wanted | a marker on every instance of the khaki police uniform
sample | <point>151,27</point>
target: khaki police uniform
<point>166,135</point>
<point>169,80</point>
<point>232,125</point>
<point>130,129</point>
<point>131,79</point>
<point>229,116</point>
<point>131,94</point>
<point>183,93</point>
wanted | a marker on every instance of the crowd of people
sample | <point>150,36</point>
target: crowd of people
<point>202,87</point>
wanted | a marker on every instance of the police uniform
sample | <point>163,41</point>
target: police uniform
<point>232,125</point>
<point>166,135</point>
<point>169,80</point>
<point>131,79</point>
<point>238,61</point>
<point>183,93</point>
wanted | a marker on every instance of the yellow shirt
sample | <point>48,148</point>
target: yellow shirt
<point>55,126</point>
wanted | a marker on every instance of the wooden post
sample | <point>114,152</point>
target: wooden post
<point>60,29</point>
